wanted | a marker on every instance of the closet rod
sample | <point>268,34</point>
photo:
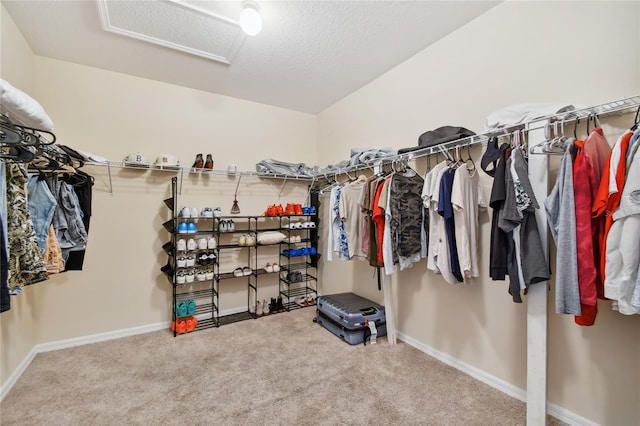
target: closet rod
<point>619,106</point>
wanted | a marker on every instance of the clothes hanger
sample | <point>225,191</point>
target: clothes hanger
<point>636,120</point>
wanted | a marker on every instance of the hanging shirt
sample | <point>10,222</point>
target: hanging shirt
<point>352,218</point>
<point>595,153</point>
<point>560,209</point>
<point>445,209</point>
<point>623,245</point>
<point>427,196</point>
<point>606,203</point>
<point>437,233</point>
<point>407,213</point>
<point>467,197</point>
<point>499,238</point>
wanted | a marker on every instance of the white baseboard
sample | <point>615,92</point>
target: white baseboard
<point>554,410</point>
<point>13,379</point>
<point>85,340</point>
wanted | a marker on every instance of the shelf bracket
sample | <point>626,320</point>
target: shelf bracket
<point>282,187</point>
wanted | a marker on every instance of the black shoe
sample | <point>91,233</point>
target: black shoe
<point>209,163</point>
<point>199,162</point>
<point>280,304</point>
<point>273,306</point>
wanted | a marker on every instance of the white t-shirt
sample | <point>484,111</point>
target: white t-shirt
<point>467,197</point>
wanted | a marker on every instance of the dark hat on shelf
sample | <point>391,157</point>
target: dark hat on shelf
<point>439,136</point>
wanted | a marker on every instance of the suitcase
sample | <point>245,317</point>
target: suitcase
<point>344,315</point>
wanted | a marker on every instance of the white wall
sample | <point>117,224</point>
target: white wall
<point>16,66</point>
<point>580,52</point>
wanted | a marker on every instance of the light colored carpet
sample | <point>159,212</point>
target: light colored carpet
<point>278,370</point>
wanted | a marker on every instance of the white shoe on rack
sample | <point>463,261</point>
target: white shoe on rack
<point>181,245</point>
<point>212,243</point>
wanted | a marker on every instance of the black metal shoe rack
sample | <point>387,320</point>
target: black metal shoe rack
<point>298,273</point>
<point>203,293</point>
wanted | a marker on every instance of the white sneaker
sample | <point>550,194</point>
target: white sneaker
<point>181,245</point>
<point>212,243</point>
<point>190,277</point>
<point>194,212</point>
<point>202,244</point>
<point>181,262</point>
<point>191,260</point>
<point>275,267</point>
<point>180,278</point>
<point>217,212</point>
<point>222,226</point>
<point>209,274</point>
<point>191,244</point>
<point>185,212</point>
<point>231,226</point>
<point>201,275</point>
<point>268,268</point>
<point>207,212</point>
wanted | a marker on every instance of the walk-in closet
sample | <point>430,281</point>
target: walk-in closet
<point>320,212</point>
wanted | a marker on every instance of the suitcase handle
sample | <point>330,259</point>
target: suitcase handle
<point>368,311</point>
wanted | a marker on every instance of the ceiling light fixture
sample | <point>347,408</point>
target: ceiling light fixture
<point>250,20</point>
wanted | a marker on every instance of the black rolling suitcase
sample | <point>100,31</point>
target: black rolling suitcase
<point>345,315</point>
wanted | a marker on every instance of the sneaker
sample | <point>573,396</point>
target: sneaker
<point>275,267</point>
<point>185,212</point>
<point>192,228</point>
<point>180,278</point>
<point>212,258</point>
<point>181,245</point>
<point>191,244</point>
<point>222,226</point>
<point>203,259</point>
<point>212,243</point>
<point>191,260</point>
<point>201,276</point>
<point>209,274</point>
<point>268,268</point>
<point>231,226</point>
<point>238,272</point>
<point>194,212</point>
<point>207,212</point>
<point>217,212</point>
<point>246,271</point>
<point>183,228</point>
<point>181,262</point>
<point>190,276</point>
<point>202,244</point>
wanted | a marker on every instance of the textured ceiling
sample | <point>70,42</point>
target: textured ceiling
<point>309,55</point>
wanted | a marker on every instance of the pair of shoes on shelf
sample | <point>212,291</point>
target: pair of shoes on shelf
<point>262,308</point>
<point>248,240</point>
<point>185,261</point>
<point>272,267</point>
<point>308,300</point>
<point>227,226</point>
<point>294,239</point>
<point>295,276</point>
<point>207,259</point>
<point>242,272</point>
<point>209,243</point>
<point>274,210</point>
<point>200,163</point>
<point>276,305</point>
<point>311,210</point>
<point>189,212</point>
<point>293,209</point>
<point>185,307</point>
<point>187,228</point>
